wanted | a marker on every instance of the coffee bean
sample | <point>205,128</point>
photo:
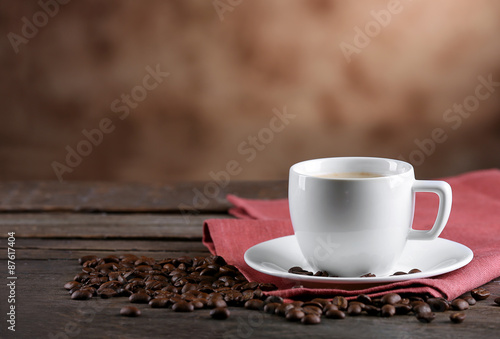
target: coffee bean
<point>220,313</point>
<point>283,308</point>
<point>321,301</point>
<point>266,287</point>
<point>232,297</point>
<point>107,293</point>
<point>335,314</point>
<point>297,303</point>
<point>81,277</point>
<point>437,304</point>
<point>457,317</point>
<point>130,311</point>
<point>391,298</point>
<point>217,259</point>
<point>480,293</point>
<point>313,303</point>
<point>387,310</point>
<point>329,307</point>
<point>215,296</point>
<point>415,298</point>
<point>311,319</point>
<point>469,299</point>
<point>114,284</point>
<point>299,270</point>
<point>202,297</point>
<point>422,307</point>
<point>182,306</point>
<point>415,270</point>
<point>139,298</point>
<point>91,263</point>
<point>91,289</point>
<point>228,270</point>
<point>305,273</point>
<point>399,273</point>
<point>312,310</point>
<point>190,295</point>
<point>82,294</point>
<point>368,275</point>
<point>216,303</point>
<point>132,258</point>
<point>258,294</point>
<point>247,295</point>
<point>354,309</point>
<point>426,317</point>
<point>459,304</point>
<point>228,281</point>
<point>274,299</point>
<point>254,304</point>
<point>121,292</point>
<point>111,258</point>
<point>72,284</point>
<point>321,274</point>
<point>497,300</point>
<point>340,302</point>
<point>188,287</point>
<point>405,301</point>
<point>144,261</point>
<point>294,314</point>
<point>86,258</point>
<point>271,307</point>
<point>175,299</point>
<point>416,302</point>
<point>159,303</point>
<point>372,310</point>
<point>250,286</point>
<point>198,303</point>
<point>293,309</point>
<point>363,298</point>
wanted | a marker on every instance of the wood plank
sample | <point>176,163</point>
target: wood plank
<point>66,254</point>
<point>71,249</point>
<point>105,245</point>
<point>104,225</point>
<point>44,309</point>
<point>138,197</point>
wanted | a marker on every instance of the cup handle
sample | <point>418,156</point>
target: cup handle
<point>443,190</point>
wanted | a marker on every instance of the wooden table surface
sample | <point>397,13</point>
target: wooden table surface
<point>55,224</point>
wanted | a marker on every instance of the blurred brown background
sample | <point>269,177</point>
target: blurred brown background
<point>232,65</point>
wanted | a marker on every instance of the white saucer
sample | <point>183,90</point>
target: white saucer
<point>434,257</point>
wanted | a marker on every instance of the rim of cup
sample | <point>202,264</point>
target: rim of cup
<point>311,168</point>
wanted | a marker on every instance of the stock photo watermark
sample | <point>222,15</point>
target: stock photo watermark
<point>87,311</point>
<point>249,148</point>
<point>94,137</point>
<point>246,326</point>
<point>453,117</point>
<point>223,6</point>
<point>364,35</point>
<point>31,26</point>
<point>11,281</point>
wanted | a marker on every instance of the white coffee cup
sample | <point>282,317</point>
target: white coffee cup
<point>352,226</point>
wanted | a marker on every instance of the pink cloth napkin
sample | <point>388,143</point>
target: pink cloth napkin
<point>474,222</point>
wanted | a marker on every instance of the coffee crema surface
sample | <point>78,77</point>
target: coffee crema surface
<point>345,175</point>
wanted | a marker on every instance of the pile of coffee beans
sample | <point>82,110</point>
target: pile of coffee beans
<point>301,271</point>
<point>185,284</point>
<point>182,284</point>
